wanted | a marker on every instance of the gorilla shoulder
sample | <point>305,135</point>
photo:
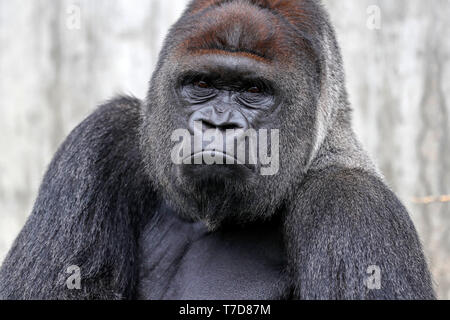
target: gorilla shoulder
<point>109,133</point>
<point>96,170</point>
<point>351,223</point>
<point>118,116</point>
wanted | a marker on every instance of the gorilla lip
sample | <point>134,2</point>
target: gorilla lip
<point>246,148</point>
<point>216,157</point>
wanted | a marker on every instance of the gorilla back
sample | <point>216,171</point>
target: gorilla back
<point>139,225</point>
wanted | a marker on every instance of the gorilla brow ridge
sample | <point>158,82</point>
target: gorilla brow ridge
<point>293,19</point>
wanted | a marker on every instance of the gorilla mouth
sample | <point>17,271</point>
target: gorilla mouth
<point>210,166</point>
<point>212,157</point>
<point>218,164</point>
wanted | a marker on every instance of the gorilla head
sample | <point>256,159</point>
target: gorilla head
<point>242,65</point>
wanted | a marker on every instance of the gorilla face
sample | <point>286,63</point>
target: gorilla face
<point>227,83</point>
<point>232,101</point>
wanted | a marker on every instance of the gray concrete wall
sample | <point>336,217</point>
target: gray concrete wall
<point>59,59</point>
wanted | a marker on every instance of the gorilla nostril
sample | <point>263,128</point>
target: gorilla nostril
<point>211,119</point>
<point>207,125</point>
<point>229,126</point>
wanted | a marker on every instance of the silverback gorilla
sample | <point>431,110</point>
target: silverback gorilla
<point>139,226</point>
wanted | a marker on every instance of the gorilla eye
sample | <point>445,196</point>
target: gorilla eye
<point>198,91</point>
<point>254,90</point>
<point>202,84</point>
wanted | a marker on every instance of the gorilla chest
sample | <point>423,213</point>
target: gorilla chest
<point>183,261</point>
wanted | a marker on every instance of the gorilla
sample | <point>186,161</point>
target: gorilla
<point>136,224</point>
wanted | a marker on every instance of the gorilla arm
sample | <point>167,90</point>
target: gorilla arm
<point>343,222</point>
<point>86,214</point>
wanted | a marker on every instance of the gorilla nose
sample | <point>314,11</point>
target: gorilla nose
<point>215,118</point>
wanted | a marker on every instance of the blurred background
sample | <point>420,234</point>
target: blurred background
<point>61,58</point>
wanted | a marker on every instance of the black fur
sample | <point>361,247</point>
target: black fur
<point>88,214</point>
<point>344,221</point>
